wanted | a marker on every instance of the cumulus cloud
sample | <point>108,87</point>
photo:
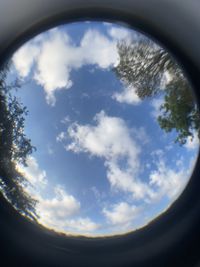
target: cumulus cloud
<point>61,206</point>
<point>163,181</point>
<point>111,140</point>
<point>55,56</point>
<point>121,214</point>
<point>25,57</point>
<point>52,71</point>
<point>59,213</point>
<point>127,96</point>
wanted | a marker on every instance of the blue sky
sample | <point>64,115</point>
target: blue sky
<point>103,165</point>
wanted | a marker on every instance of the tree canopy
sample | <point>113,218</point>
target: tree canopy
<point>14,147</point>
<point>152,72</point>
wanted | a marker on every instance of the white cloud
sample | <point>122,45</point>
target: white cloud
<point>122,214</point>
<point>71,226</point>
<point>192,143</point>
<point>53,72</point>
<point>110,139</point>
<point>168,182</point>
<point>58,213</point>
<point>97,49</point>
<point>33,173</point>
<point>83,225</point>
<point>61,212</point>
<point>128,96</point>
<point>55,56</point>
<point>61,206</point>
<point>119,33</point>
<point>127,181</point>
<point>58,210</point>
<point>24,58</point>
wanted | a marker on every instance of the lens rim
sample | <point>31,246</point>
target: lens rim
<point>171,232</point>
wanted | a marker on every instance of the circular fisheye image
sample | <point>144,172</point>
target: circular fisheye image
<point>99,129</point>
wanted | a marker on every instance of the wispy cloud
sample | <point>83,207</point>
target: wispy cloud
<point>156,104</point>
<point>99,195</point>
<point>65,120</point>
<point>50,149</point>
<point>33,173</point>
<point>169,182</point>
<point>61,137</point>
<point>192,143</point>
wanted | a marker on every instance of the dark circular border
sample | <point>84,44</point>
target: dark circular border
<point>170,240</point>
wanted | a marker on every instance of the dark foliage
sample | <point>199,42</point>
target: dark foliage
<point>14,147</point>
<point>144,66</point>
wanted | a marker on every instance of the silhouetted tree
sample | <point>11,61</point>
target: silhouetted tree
<point>14,147</point>
<point>145,66</point>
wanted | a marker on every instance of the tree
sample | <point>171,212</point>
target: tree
<point>14,147</point>
<point>145,66</point>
